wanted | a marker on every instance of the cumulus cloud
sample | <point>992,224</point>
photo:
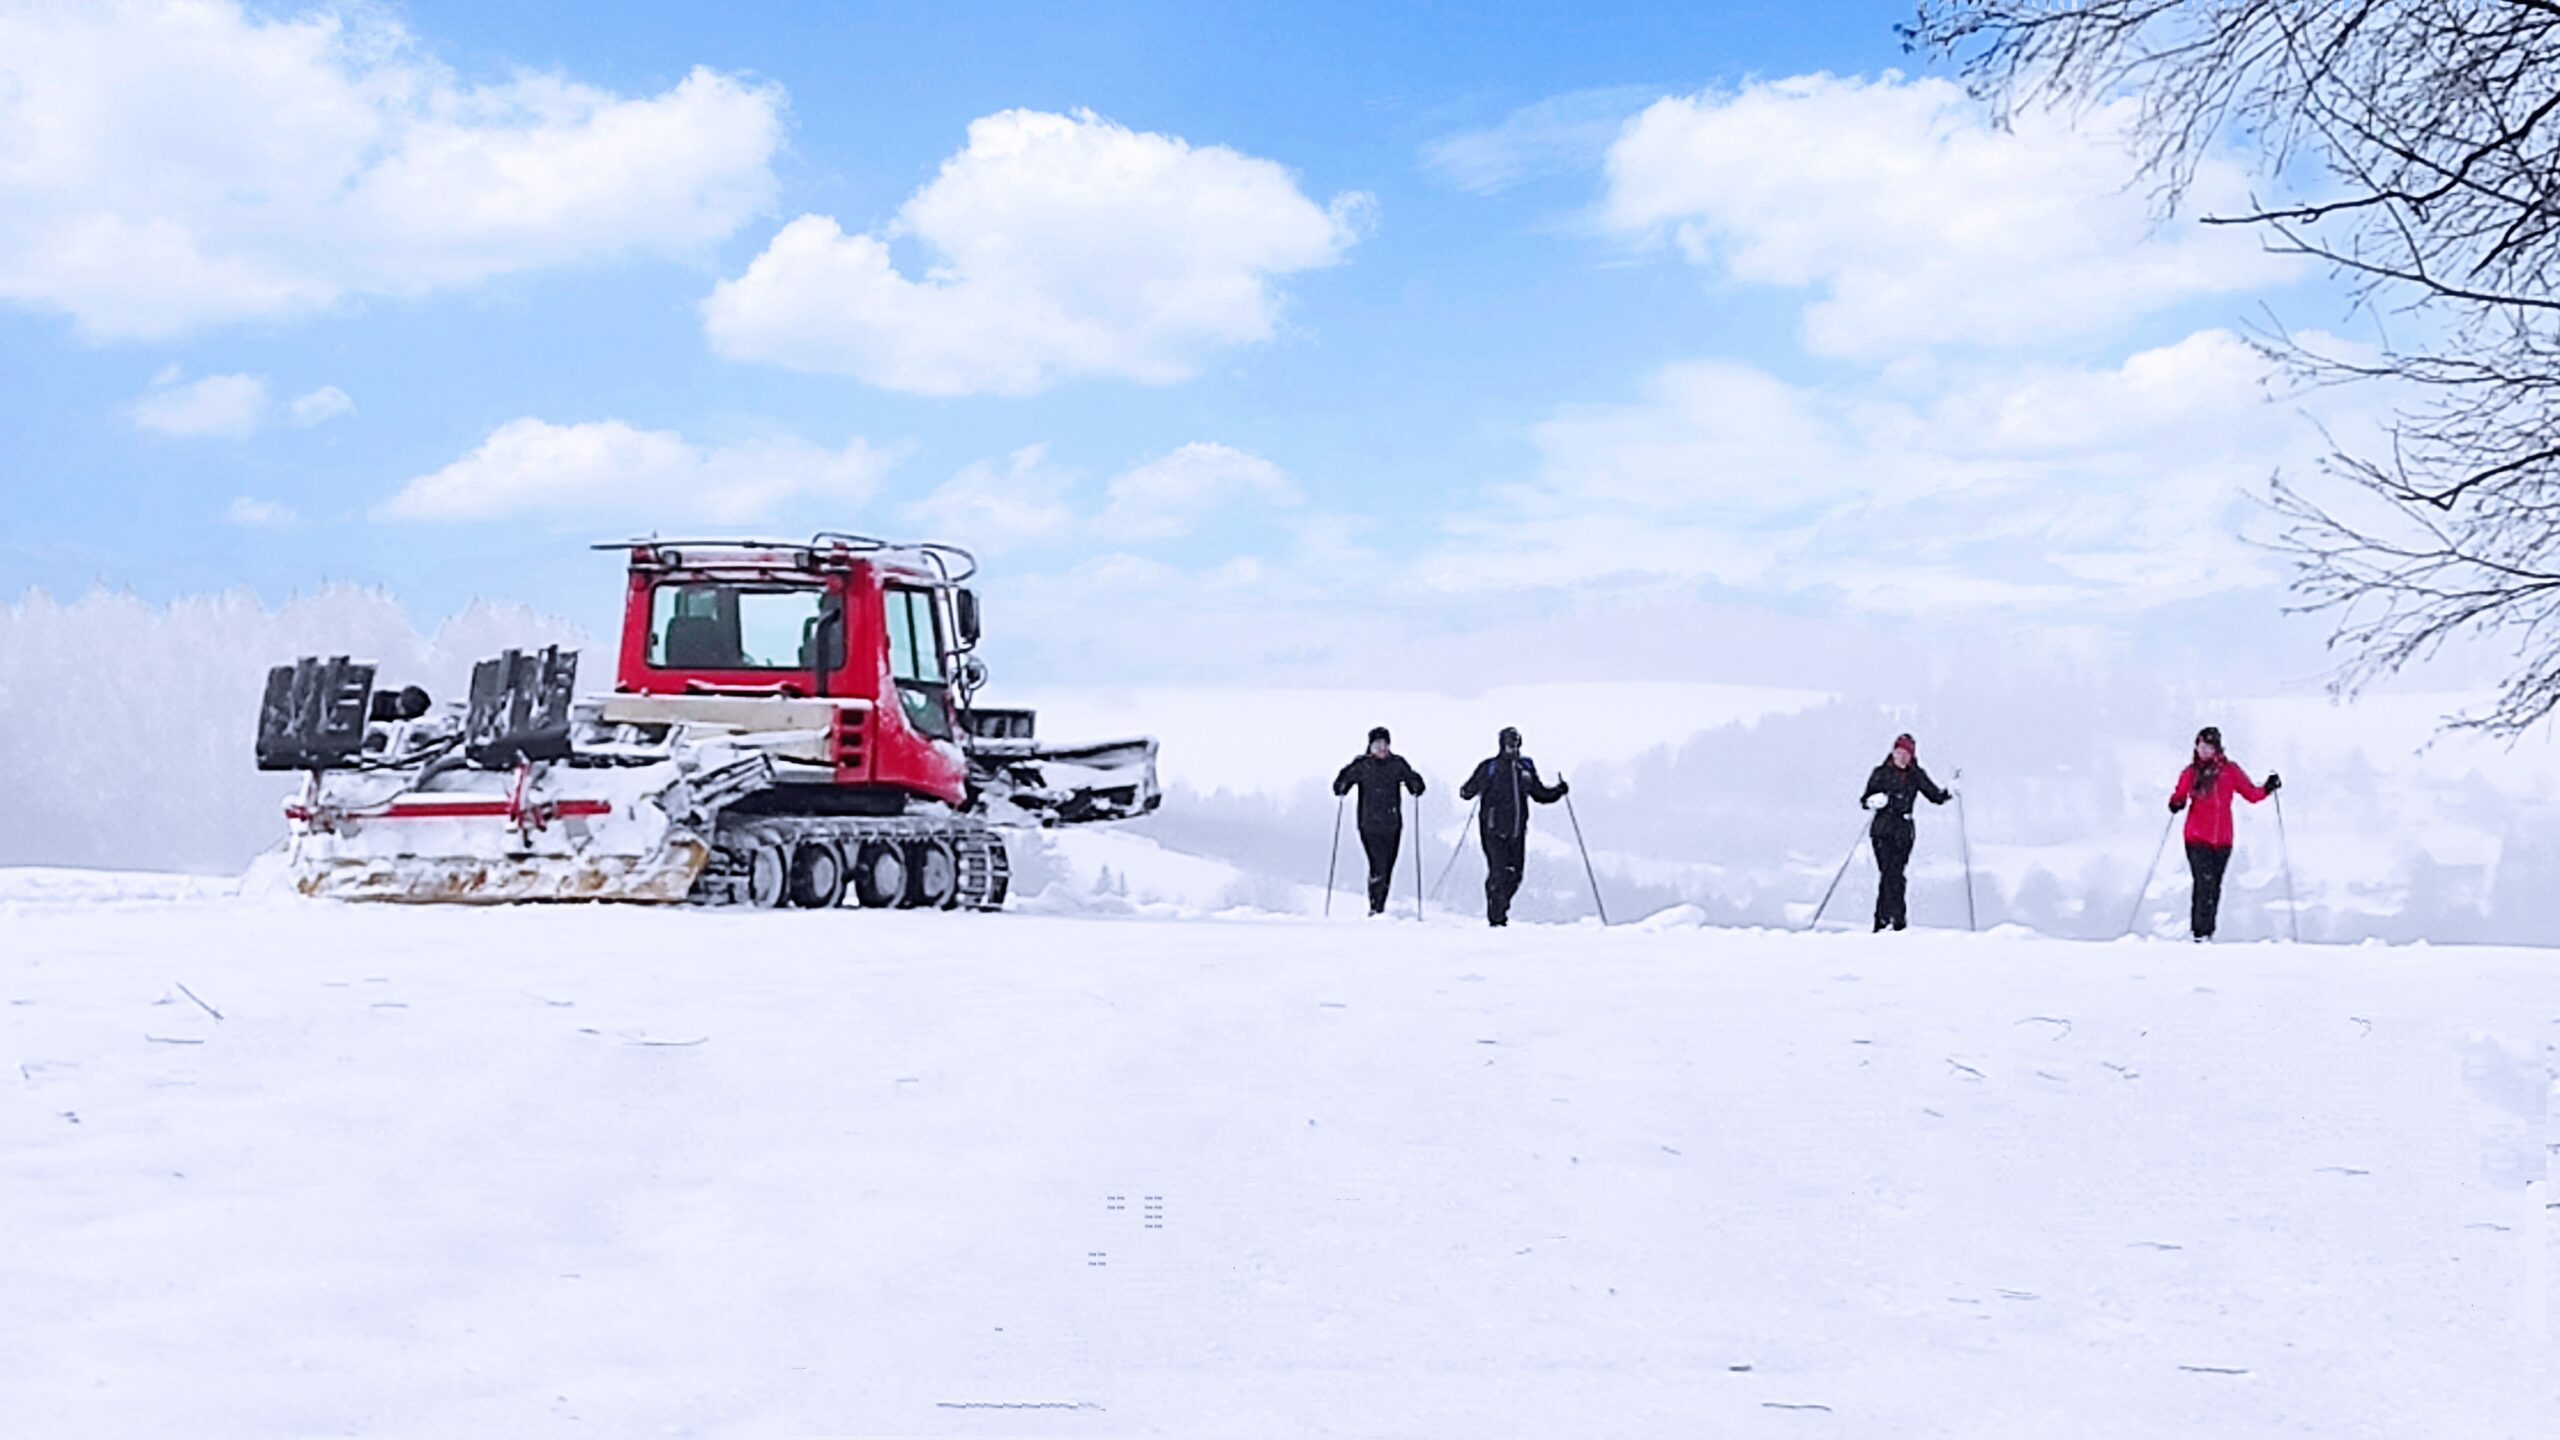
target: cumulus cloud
<point>166,166</point>
<point>319,406</point>
<point>1060,246</point>
<point>2026,487</point>
<point>609,468</point>
<point>990,506</point>
<point>1029,500</point>
<point>1169,496</point>
<point>1918,223</point>
<point>231,407</point>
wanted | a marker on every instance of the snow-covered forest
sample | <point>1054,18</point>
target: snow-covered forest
<point>1738,800</point>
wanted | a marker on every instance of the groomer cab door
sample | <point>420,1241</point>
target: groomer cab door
<point>919,730</point>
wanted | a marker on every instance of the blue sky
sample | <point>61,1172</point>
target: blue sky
<point>1285,342</point>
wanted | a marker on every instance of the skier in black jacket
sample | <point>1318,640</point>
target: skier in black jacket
<point>1508,782</point>
<point>1892,788</point>
<point>1383,777</point>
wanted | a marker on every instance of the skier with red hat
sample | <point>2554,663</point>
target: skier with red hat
<point>1892,789</point>
<point>2205,791</point>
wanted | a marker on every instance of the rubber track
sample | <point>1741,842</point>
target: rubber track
<point>985,871</point>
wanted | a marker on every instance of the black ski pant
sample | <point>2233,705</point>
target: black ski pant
<point>1382,842</point>
<point>1505,856</point>
<point>1892,841</point>
<point>2208,864</point>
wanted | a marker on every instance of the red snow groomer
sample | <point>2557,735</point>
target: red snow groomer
<point>790,723</point>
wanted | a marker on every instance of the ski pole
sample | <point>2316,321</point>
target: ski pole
<point>1454,849</point>
<point>2156,852</point>
<point>2284,849</point>
<point>1333,862</point>
<point>1966,844</point>
<point>1587,872</point>
<point>1417,857</point>
<point>1836,877</point>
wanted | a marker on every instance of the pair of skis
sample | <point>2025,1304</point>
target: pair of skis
<point>2284,852</point>
<point>1963,840</point>
<point>1333,862</point>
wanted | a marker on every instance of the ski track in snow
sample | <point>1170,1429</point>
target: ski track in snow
<point>273,1167</point>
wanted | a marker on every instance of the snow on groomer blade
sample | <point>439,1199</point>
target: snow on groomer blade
<point>791,723</point>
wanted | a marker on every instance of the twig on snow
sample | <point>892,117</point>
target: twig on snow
<point>190,994</point>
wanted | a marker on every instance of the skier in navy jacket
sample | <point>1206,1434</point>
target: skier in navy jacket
<point>1382,777</point>
<point>1507,783</point>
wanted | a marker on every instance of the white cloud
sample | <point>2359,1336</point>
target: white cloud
<point>1918,223</point>
<point>229,406</point>
<point>234,407</point>
<point>324,404</point>
<point>1560,135</point>
<point>1167,497</point>
<point>611,469</point>
<point>261,514</point>
<point>987,506</point>
<point>2026,488</point>
<point>1027,500</point>
<point>1061,246</point>
<point>166,165</point>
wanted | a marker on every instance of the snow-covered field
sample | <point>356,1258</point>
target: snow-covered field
<point>607,1171</point>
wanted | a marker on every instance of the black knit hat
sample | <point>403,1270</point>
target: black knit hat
<point>2211,734</point>
<point>1377,733</point>
<point>1509,739</point>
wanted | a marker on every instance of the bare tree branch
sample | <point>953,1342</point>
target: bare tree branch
<point>2416,139</point>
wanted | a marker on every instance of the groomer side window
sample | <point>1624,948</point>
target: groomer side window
<point>733,627</point>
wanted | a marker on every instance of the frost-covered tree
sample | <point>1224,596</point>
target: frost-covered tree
<point>2414,149</point>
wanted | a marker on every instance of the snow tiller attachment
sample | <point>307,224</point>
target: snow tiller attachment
<point>791,723</point>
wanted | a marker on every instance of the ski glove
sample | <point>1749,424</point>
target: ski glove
<point>2275,782</point>
<point>2176,805</point>
<point>1563,788</point>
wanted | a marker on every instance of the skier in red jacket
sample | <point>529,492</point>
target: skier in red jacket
<point>2205,791</point>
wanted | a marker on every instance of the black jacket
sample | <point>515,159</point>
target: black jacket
<point>1379,781</point>
<point>1508,783</point>
<point>1900,789</point>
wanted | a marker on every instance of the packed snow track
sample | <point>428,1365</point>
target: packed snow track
<point>284,1168</point>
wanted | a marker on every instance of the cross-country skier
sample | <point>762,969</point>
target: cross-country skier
<point>2205,790</point>
<point>1383,777</point>
<point>1508,782</point>
<point>1892,788</point>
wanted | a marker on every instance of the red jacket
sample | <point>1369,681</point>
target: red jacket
<point>2209,805</point>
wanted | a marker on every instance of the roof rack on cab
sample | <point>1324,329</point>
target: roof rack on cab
<point>948,563</point>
